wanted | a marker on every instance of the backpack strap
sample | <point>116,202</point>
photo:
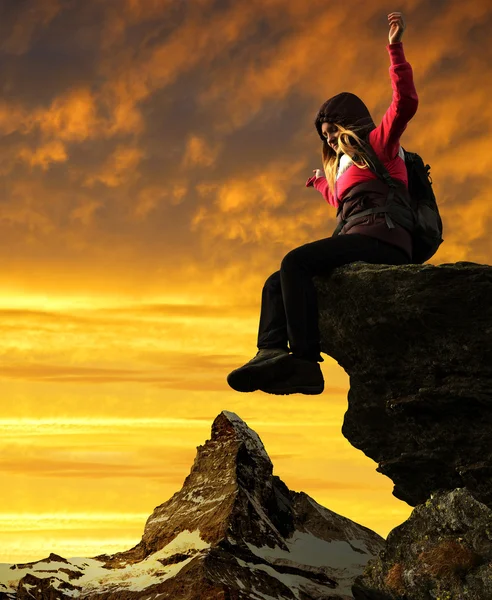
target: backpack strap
<point>382,172</point>
<point>336,173</point>
<point>368,211</point>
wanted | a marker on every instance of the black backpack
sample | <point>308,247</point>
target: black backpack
<point>427,235</point>
<point>415,209</point>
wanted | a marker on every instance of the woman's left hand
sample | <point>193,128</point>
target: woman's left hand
<point>397,27</point>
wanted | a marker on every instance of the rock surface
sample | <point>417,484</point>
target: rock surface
<point>233,532</point>
<point>416,341</point>
<point>444,550</point>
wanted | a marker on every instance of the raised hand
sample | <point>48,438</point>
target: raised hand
<point>397,27</point>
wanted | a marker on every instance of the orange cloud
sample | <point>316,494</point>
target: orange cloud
<point>22,211</point>
<point>119,168</point>
<point>71,117</point>
<point>47,467</point>
<point>45,155</point>
<point>85,213</point>
<point>199,152</point>
<point>12,117</point>
<point>248,209</point>
<point>150,198</point>
<point>147,200</point>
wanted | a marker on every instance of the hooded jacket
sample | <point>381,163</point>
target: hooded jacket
<point>359,189</point>
<point>348,110</point>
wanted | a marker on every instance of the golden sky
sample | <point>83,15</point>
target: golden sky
<point>153,155</point>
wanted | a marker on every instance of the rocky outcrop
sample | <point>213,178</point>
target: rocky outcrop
<point>233,532</point>
<point>45,588</point>
<point>417,344</point>
<point>443,550</point>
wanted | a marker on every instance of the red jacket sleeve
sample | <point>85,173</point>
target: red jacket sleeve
<point>385,139</point>
<point>321,184</point>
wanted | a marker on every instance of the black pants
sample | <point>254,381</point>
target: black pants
<point>289,308</point>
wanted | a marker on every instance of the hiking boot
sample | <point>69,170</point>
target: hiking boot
<point>303,377</point>
<point>264,368</point>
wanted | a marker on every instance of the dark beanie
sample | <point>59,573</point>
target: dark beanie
<point>348,110</point>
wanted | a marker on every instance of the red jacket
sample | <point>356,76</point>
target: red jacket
<point>385,140</point>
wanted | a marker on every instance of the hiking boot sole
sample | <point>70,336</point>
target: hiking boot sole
<point>250,378</point>
<point>294,389</point>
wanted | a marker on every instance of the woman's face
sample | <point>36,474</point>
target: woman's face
<point>331,133</point>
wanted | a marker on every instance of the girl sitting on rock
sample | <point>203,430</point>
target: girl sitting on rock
<point>288,337</point>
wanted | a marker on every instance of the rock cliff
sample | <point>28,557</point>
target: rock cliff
<point>416,341</point>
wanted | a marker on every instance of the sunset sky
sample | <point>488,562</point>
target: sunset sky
<point>153,156</point>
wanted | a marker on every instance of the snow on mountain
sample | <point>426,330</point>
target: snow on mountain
<point>91,575</point>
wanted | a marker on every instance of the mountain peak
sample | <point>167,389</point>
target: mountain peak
<point>230,465</point>
<point>229,424</point>
<point>233,530</point>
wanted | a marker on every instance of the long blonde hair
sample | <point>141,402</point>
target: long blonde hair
<point>346,145</point>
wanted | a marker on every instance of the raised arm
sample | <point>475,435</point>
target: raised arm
<point>319,182</point>
<point>385,139</point>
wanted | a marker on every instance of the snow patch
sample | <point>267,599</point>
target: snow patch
<point>186,540</point>
<point>294,583</point>
<point>96,578</point>
<point>149,571</point>
<point>201,500</point>
<point>337,559</point>
<point>29,586</point>
<point>307,549</point>
<point>158,519</point>
<point>240,584</point>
